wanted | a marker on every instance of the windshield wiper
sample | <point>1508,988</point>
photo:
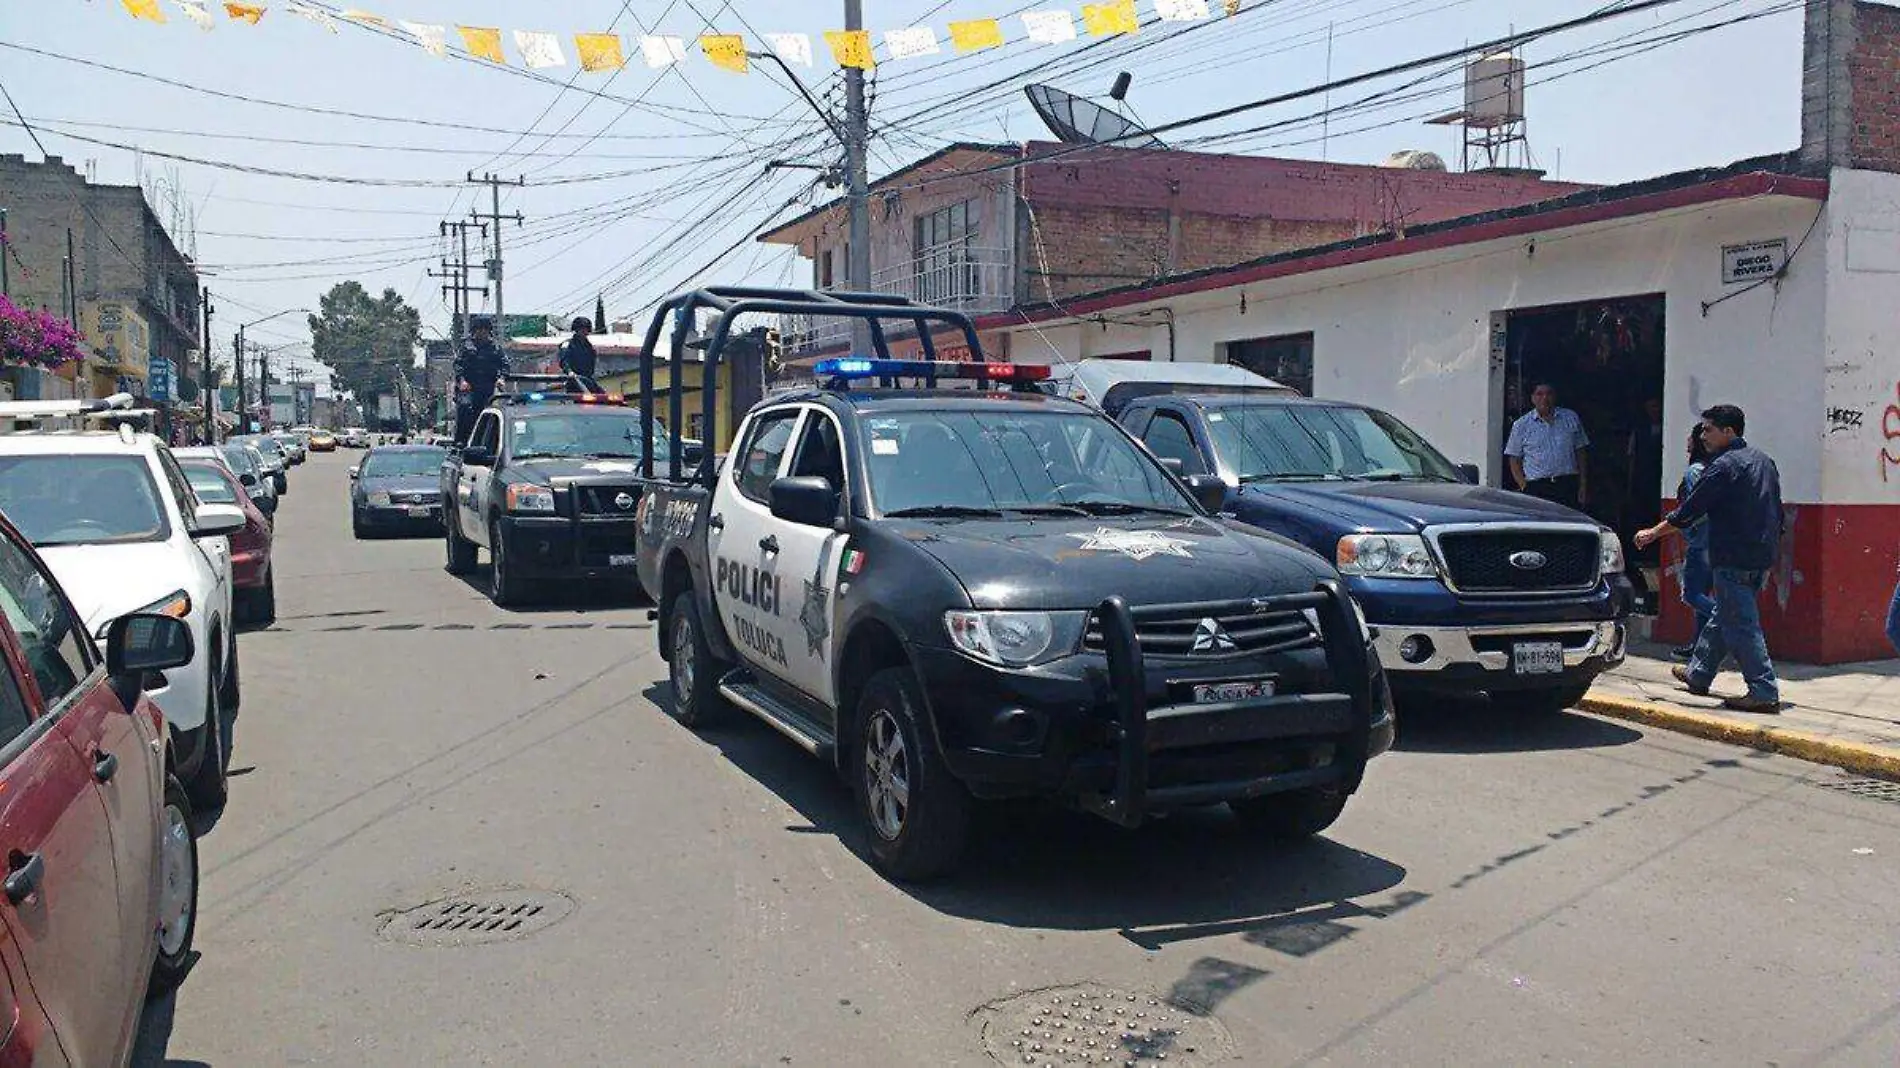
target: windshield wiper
<point>944,511</point>
<point>1051,509</point>
<point>1126,508</point>
<point>1300,476</point>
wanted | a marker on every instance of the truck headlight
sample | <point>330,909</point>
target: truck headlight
<point>1611,546</point>
<point>1015,639</point>
<point>1385,556</point>
<point>530,499</point>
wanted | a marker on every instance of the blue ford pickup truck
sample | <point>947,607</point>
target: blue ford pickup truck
<point>1471,590</point>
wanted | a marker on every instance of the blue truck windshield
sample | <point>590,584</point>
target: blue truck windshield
<point>992,461</point>
<point>1263,442</point>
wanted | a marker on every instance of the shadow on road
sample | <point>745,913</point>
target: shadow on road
<point>1194,874</point>
<point>1477,727</point>
<point>577,596</point>
<point>155,1035</point>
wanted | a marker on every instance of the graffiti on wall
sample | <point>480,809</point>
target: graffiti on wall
<point>1890,430</point>
<point>1842,420</point>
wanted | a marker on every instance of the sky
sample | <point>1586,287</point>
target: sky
<point>639,181</point>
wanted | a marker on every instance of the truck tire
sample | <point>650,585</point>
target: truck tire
<point>208,788</point>
<point>917,813</point>
<point>692,668</point>
<point>505,588</point>
<point>461,551</point>
<point>178,893</point>
<point>1291,816</point>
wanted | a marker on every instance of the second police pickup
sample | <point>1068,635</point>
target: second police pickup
<point>963,594</point>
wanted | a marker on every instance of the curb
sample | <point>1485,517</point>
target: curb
<point>1871,760</point>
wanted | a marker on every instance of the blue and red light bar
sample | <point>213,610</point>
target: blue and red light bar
<point>850,367</point>
<point>577,398</point>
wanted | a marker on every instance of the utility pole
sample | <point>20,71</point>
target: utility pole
<point>204,381</point>
<point>263,386</point>
<point>456,274</point>
<point>6,253</point>
<point>494,184</point>
<point>857,126</point>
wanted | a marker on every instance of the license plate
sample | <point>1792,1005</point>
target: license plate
<point>1213,693</point>
<point>420,511</point>
<point>1538,658</point>
<point>626,560</point>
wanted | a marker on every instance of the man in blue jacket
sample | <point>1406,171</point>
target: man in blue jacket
<point>1740,494</point>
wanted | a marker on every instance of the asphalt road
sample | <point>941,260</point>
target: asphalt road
<point>1571,890</point>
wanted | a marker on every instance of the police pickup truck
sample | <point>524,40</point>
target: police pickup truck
<point>548,485</point>
<point>1470,590</point>
<point>961,594</point>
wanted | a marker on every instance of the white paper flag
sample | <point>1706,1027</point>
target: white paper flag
<point>1181,10</point>
<point>195,11</point>
<point>1049,27</point>
<point>433,39</point>
<point>540,49</point>
<point>910,43</point>
<point>662,51</point>
<point>792,47</point>
<point>314,14</point>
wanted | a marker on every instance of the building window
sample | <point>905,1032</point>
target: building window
<point>1287,359</point>
<point>942,254</point>
<point>824,269</point>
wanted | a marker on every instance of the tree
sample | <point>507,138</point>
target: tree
<point>367,342</point>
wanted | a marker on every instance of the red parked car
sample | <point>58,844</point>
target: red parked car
<point>254,591</point>
<point>101,865</point>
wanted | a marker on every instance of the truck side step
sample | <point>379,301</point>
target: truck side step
<point>811,736</point>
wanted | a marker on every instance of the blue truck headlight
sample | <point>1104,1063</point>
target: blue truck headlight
<point>1612,549</point>
<point>1385,556</point>
<point>1015,639</point>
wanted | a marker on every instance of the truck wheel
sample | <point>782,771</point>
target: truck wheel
<point>208,788</point>
<point>177,894</point>
<point>461,551</point>
<point>1293,815</point>
<point>692,668</point>
<point>917,812</point>
<point>1538,703</point>
<point>504,586</point>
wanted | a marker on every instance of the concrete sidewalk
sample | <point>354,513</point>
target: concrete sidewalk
<point>1847,715</point>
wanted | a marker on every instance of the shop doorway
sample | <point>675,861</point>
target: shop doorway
<point>1606,360</point>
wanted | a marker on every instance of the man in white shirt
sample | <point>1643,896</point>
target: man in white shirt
<point>1548,451</point>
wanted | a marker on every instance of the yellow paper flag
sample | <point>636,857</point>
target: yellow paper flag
<point>1233,7</point>
<point>245,12</point>
<point>144,9</point>
<point>1105,19</point>
<point>976,34</point>
<point>726,50</point>
<point>852,48</point>
<point>482,42</point>
<point>601,51</point>
<point>363,17</point>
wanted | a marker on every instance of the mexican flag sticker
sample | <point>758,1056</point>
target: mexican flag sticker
<point>853,561</point>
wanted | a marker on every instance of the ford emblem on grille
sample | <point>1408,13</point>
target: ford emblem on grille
<point>1529,560</point>
<point>1210,638</point>
<point>625,501</point>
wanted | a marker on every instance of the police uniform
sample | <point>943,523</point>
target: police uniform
<point>481,363</point>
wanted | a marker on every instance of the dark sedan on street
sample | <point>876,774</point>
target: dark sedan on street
<point>397,489</point>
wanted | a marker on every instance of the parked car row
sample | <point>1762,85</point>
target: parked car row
<point>119,565</point>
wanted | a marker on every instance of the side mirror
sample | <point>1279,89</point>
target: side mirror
<point>217,520</point>
<point>142,643</point>
<point>807,500</point>
<point>266,505</point>
<point>354,470</point>
<point>478,456</point>
<point>1468,472</point>
<point>1210,491</point>
<point>247,479</point>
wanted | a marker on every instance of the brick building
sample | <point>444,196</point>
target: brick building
<point>135,294</point>
<point>966,229</point>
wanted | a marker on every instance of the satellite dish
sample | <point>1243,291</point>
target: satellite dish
<point>1076,121</point>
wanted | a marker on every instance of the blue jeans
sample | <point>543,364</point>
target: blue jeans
<point>1736,630</point>
<point>1893,620</point>
<point>1698,578</point>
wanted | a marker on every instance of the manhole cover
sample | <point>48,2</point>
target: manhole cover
<point>1873,789</point>
<point>1089,1024</point>
<point>476,918</point>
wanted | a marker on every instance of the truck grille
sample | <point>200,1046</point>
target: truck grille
<point>605,500</point>
<point>1481,561</point>
<point>1188,632</point>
